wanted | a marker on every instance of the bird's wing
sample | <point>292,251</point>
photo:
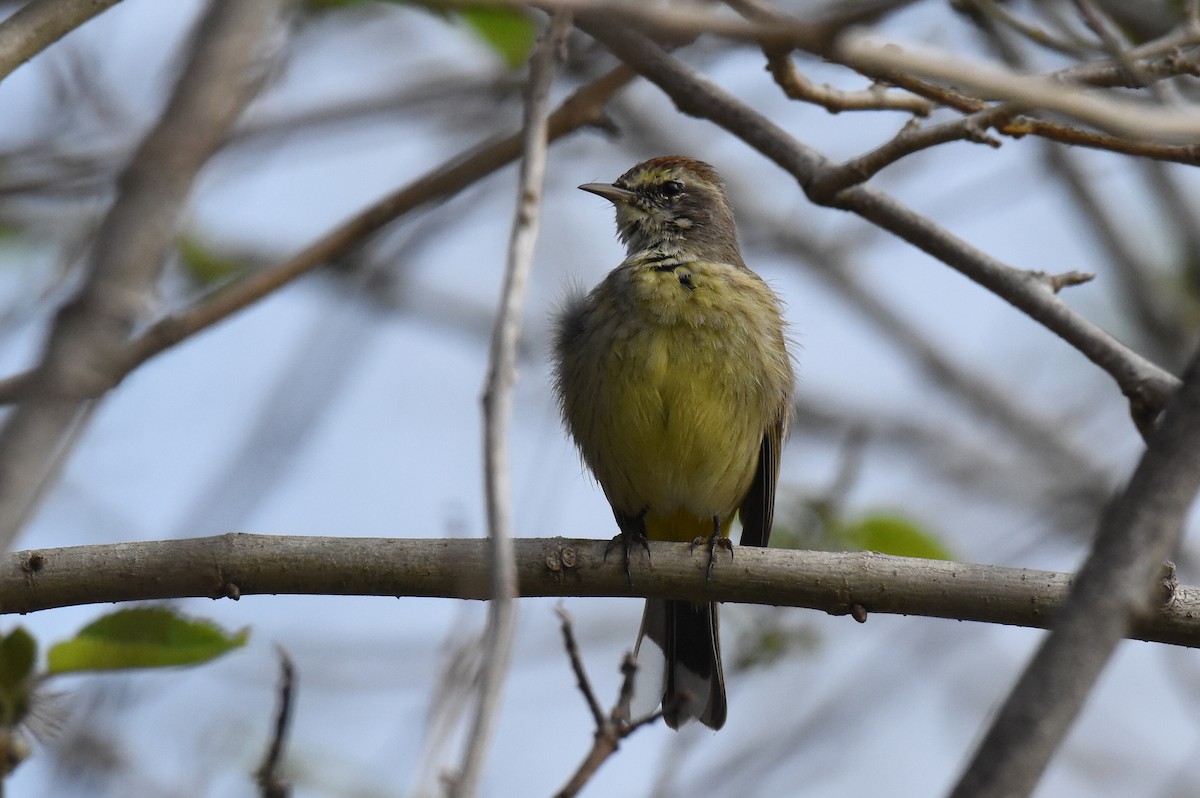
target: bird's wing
<point>758,508</point>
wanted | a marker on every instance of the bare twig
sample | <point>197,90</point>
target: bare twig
<point>1116,115</point>
<point>1110,39</point>
<point>498,398</point>
<point>1119,585</point>
<point>1068,279</point>
<point>1021,126</point>
<point>876,98</point>
<point>611,729</point>
<point>270,784</point>
<point>584,107</point>
<point>39,24</point>
<point>585,684</point>
<point>243,564</point>
<point>1161,59</point>
<point>1150,307</point>
<point>1070,46</point>
<point>92,329</point>
<point>1157,59</point>
<point>1147,386</point>
<point>1187,154</point>
<point>913,138</point>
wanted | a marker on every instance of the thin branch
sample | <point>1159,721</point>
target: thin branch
<point>270,784</point>
<point>581,678</point>
<point>1186,154</point>
<point>1156,59</point>
<point>876,98</point>
<point>1150,307</point>
<point>130,247</point>
<point>1147,386</point>
<point>1118,585</point>
<point>1021,126</point>
<point>40,23</point>
<point>1113,45</point>
<point>913,138</point>
<point>584,107</point>
<point>239,564</point>
<point>1116,115</point>
<point>498,400</point>
<point>1006,119</point>
<point>1002,16</point>
<point>1160,58</point>
<point>610,730</point>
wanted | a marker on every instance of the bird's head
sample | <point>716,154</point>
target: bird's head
<point>673,203</point>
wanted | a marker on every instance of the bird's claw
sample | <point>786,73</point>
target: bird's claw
<point>628,539</point>
<point>714,541</point>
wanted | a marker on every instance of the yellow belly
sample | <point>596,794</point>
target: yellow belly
<point>677,442</point>
<point>669,390</point>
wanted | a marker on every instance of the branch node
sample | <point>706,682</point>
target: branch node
<point>1168,583</point>
<point>978,134</point>
<point>1057,282</point>
<point>605,124</point>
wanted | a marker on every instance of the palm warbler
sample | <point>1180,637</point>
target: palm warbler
<point>674,379</point>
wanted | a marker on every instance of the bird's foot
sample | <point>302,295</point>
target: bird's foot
<point>628,539</point>
<point>714,541</point>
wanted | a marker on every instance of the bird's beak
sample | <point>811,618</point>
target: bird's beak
<point>610,192</point>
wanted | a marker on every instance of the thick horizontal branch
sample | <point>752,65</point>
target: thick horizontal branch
<point>238,564</point>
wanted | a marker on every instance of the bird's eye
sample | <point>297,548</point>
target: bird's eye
<point>671,189</point>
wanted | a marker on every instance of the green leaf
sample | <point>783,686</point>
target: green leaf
<point>204,265</point>
<point>325,5</point>
<point>890,534</point>
<point>770,641</point>
<point>510,33</point>
<point>18,653</point>
<point>152,637</point>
